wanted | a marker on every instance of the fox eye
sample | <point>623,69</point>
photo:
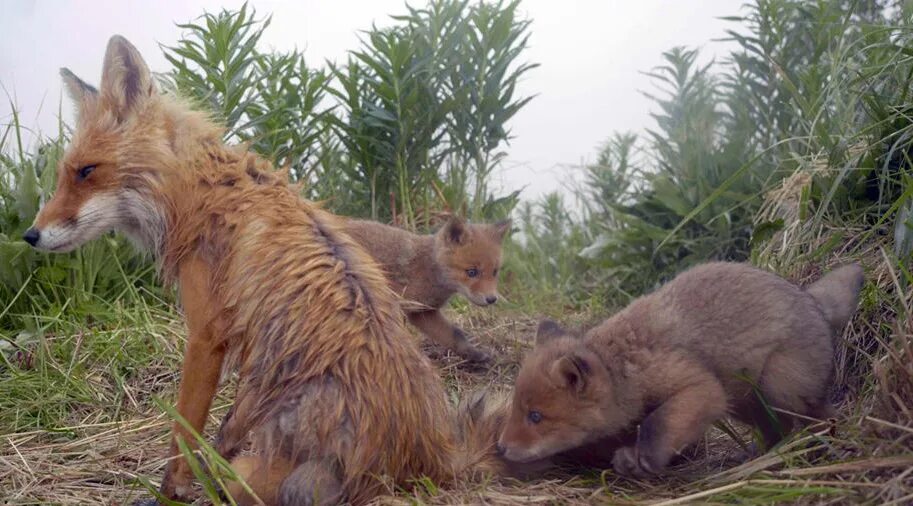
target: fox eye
<point>472,272</point>
<point>534,416</point>
<point>495,273</point>
<point>84,173</point>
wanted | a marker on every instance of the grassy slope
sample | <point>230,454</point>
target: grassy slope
<point>79,421</point>
<point>96,386</point>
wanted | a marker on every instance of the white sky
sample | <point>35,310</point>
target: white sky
<point>591,53</point>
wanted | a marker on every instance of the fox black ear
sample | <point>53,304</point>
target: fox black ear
<point>125,78</point>
<point>573,371</point>
<point>454,230</point>
<point>501,229</point>
<point>78,89</point>
<point>549,330</point>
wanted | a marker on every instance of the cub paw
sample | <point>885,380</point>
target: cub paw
<point>629,461</point>
<point>177,486</point>
<point>476,356</point>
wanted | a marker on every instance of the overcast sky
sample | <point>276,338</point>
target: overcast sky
<point>592,53</point>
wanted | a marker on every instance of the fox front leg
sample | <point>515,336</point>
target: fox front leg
<point>199,379</point>
<point>200,373</point>
<point>678,422</point>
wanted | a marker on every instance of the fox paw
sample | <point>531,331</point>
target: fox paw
<point>177,487</point>
<point>627,461</point>
<point>476,356</point>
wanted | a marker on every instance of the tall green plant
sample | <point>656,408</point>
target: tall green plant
<point>393,125</point>
<point>812,103</point>
<point>416,118</point>
<point>425,108</point>
<point>484,84</point>
<point>271,100</point>
<point>635,210</point>
<point>541,264</point>
<point>215,62</point>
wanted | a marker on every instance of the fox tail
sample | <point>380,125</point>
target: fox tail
<point>837,294</point>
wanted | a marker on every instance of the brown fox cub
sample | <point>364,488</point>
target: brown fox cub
<point>716,339</point>
<point>337,400</point>
<point>429,269</point>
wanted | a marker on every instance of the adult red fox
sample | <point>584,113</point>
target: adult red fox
<point>334,395</point>
<point>721,337</point>
<point>428,269</point>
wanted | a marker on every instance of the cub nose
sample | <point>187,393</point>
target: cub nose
<point>491,299</point>
<point>32,235</point>
<point>500,448</point>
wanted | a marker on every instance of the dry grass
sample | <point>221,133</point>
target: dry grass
<point>118,437</point>
<point>864,456</point>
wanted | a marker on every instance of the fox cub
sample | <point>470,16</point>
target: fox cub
<point>429,269</point>
<point>720,338</point>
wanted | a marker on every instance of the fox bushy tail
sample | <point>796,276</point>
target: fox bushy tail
<point>837,294</point>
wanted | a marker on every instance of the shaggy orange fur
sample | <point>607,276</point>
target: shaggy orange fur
<point>334,394</point>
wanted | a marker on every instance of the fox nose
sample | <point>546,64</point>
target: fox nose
<point>31,236</point>
<point>500,448</point>
<point>491,299</point>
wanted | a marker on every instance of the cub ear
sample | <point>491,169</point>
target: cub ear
<point>79,90</point>
<point>454,231</point>
<point>500,229</point>
<point>125,79</point>
<point>549,330</point>
<point>572,371</point>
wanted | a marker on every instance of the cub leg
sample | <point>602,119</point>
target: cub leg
<point>433,324</point>
<point>232,436</point>
<point>796,381</point>
<point>678,422</point>
<point>315,482</point>
<point>262,476</point>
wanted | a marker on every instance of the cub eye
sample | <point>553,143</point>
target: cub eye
<point>472,272</point>
<point>495,273</point>
<point>534,416</point>
<point>84,172</point>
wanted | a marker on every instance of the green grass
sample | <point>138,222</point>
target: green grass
<point>74,365</point>
<point>793,153</point>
